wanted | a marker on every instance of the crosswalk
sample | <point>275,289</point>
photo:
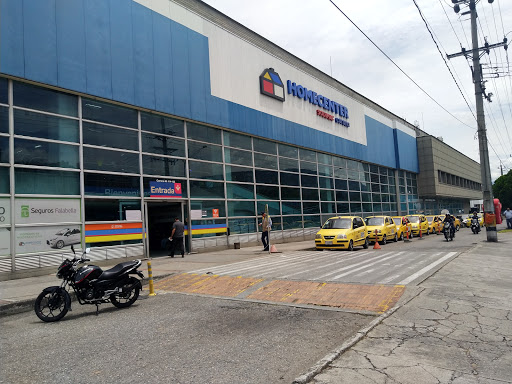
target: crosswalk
<point>362,267</point>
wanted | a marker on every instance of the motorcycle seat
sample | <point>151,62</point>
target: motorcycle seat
<point>119,269</point>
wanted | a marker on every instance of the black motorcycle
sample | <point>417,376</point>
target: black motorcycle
<point>475,225</point>
<point>92,285</point>
<point>449,233</point>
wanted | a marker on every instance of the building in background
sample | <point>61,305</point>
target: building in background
<point>116,117</point>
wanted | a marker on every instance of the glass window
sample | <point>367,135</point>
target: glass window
<point>235,156</point>
<point>309,181</point>
<point>352,175</point>
<point>288,165</point>
<point>240,191</point>
<point>374,168</point>
<point>324,159</point>
<point>162,124</point>
<point>309,194</point>
<point>109,113</point>
<point>43,99</point>
<point>376,197</point>
<point>375,187</point>
<point>325,170</point>
<point>351,164</point>
<point>289,179</point>
<point>202,170</point>
<point>341,184</point>
<point>273,209</point>
<point>367,207</point>
<point>264,146</point>
<point>309,168</point>
<point>384,189</point>
<point>34,152</point>
<point>162,145</point>
<point>328,207</point>
<point>291,207</point>
<point>207,206</point>
<point>4,180</point>
<point>341,196</point>
<point>242,225</point>
<point>325,182</point>
<point>366,197</point>
<point>38,181</point>
<point>377,207</point>
<point>109,210</point>
<point>287,151</point>
<point>307,155</point>
<point>356,208</point>
<point>3,90</point>
<point>354,185</point>
<point>105,136</point>
<point>266,177</point>
<point>365,187</point>
<point>267,192</point>
<point>163,166</point>
<point>342,208</point>
<point>355,196</point>
<point>204,133</point>
<point>4,120</point>
<point>312,221</point>
<point>310,207</point>
<point>241,174</point>
<point>340,173</point>
<point>241,208</point>
<point>4,149</point>
<point>114,161</point>
<point>326,195</point>
<point>45,126</point>
<point>206,189</point>
<point>236,140</point>
<point>383,179</point>
<point>339,162</point>
<point>111,185</point>
<point>292,222</point>
<point>265,161</point>
<point>290,193</point>
<point>203,151</point>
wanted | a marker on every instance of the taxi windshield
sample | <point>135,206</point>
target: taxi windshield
<point>397,220</point>
<point>338,224</point>
<point>430,218</point>
<point>374,221</point>
<point>414,219</point>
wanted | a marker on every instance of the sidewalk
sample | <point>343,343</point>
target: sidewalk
<point>19,295</point>
<point>458,329</point>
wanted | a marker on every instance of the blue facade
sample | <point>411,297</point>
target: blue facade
<point>122,51</point>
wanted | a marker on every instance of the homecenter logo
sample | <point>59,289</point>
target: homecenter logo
<point>271,84</point>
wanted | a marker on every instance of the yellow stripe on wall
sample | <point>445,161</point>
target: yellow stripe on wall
<point>103,239</point>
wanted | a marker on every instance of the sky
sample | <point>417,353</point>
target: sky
<point>318,33</point>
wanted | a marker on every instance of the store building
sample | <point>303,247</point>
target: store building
<point>117,116</point>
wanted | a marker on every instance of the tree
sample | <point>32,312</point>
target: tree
<point>502,189</point>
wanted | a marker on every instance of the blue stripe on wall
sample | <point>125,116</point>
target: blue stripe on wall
<point>121,50</point>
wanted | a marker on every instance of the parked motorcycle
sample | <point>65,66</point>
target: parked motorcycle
<point>448,231</point>
<point>91,285</point>
<point>475,225</point>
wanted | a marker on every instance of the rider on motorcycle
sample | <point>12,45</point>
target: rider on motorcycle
<point>450,219</point>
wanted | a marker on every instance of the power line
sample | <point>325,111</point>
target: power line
<point>401,70</point>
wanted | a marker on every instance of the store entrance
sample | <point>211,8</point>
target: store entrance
<point>161,216</point>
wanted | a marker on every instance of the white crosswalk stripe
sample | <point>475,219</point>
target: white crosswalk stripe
<point>364,267</point>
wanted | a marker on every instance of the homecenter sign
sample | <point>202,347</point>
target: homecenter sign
<point>322,101</point>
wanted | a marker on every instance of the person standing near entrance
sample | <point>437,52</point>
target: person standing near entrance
<point>266,225</point>
<point>178,229</point>
<point>508,216</point>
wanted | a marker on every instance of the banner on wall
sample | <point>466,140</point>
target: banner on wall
<point>31,211</point>
<point>40,239</point>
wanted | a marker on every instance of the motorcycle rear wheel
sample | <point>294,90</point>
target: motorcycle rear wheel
<point>127,298</point>
<point>51,306</point>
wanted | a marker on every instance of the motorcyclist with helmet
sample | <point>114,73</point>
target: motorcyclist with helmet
<point>451,220</point>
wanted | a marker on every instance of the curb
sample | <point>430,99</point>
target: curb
<point>27,305</point>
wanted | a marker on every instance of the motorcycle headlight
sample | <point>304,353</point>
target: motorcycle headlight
<point>341,236</point>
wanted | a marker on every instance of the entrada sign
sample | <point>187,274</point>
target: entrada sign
<point>271,85</point>
<point>162,188</point>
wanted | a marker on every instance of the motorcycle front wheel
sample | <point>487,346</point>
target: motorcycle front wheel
<point>128,295</point>
<point>51,306</point>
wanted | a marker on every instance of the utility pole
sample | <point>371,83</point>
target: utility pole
<point>476,53</point>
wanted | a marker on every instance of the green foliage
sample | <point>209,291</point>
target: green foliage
<point>502,189</point>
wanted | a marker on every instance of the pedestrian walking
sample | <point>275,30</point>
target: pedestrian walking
<point>176,237</point>
<point>266,226</point>
<point>508,216</point>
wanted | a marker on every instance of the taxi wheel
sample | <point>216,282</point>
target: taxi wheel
<point>396,238</point>
<point>384,240</point>
<point>351,246</point>
<point>402,236</point>
<point>457,227</point>
<point>428,231</point>
<point>366,243</point>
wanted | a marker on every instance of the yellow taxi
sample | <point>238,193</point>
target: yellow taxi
<point>342,232</point>
<point>401,226</point>
<point>467,221</point>
<point>382,228</point>
<point>456,223</point>
<point>435,223</point>
<point>418,222</point>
